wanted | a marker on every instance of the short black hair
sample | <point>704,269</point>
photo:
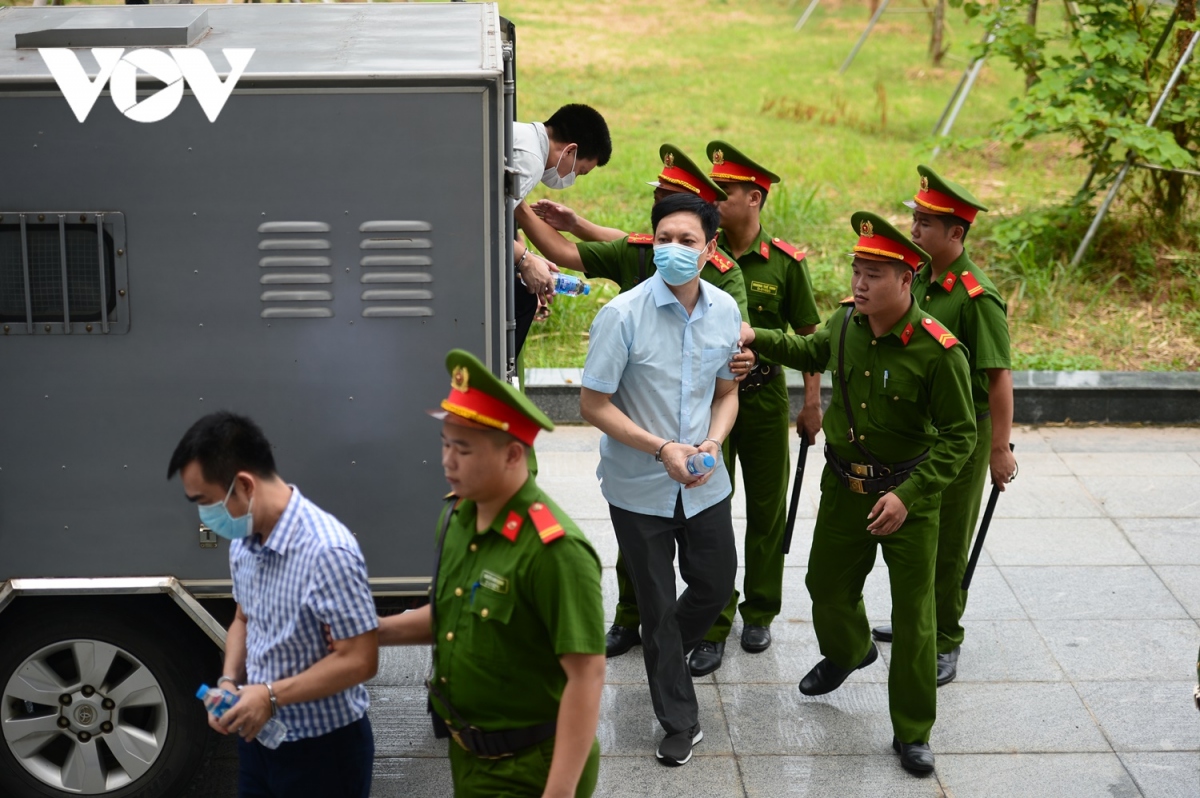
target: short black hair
<point>949,221</point>
<point>710,217</point>
<point>224,443</point>
<point>584,126</point>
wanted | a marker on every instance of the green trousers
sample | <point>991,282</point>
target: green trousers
<point>520,776</point>
<point>843,553</point>
<point>960,511</point>
<point>759,438</point>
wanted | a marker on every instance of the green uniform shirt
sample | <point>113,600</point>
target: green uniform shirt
<point>907,392</point>
<point>619,261</point>
<point>507,610</point>
<point>779,291</point>
<point>980,322</point>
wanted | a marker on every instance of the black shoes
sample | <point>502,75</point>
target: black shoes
<point>947,667</point>
<point>706,658</point>
<point>882,633</point>
<point>620,639</point>
<point>756,639</point>
<point>676,749</point>
<point>828,676</point>
<point>914,757</point>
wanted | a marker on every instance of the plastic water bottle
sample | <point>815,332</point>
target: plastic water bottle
<point>570,285</point>
<point>218,702</point>
<point>700,464</point>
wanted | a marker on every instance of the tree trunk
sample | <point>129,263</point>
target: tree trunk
<point>1031,67</point>
<point>936,51</point>
<point>1175,202</point>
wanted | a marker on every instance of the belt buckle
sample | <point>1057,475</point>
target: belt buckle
<point>855,484</point>
<point>456,735</point>
<point>860,470</point>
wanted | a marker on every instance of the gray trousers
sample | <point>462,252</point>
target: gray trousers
<point>672,627</point>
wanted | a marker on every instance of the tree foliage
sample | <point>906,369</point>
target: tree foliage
<point>1096,79</point>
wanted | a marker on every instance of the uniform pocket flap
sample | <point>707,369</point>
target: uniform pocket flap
<point>490,606</point>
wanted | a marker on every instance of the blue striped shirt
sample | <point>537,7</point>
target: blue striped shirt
<point>309,572</point>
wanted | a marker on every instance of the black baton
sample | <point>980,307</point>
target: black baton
<point>791,516</point>
<point>983,529</point>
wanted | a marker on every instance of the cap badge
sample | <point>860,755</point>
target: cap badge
<point>460,379</point>
<point>718,158</point>
<point>867,229</point>
<point>924,183</point>
<point>669,160</point>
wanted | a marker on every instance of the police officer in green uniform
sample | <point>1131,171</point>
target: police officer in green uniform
<point>779,293</point>
<point>956,292</point>
<point>627,259</point>
<point>516,618</point>
<point>898,430</point>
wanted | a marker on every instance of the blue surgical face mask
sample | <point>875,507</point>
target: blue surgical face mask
<point>217,518</point>
<point>676,263</point>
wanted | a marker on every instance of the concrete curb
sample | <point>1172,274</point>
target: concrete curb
<point>1114,397</point>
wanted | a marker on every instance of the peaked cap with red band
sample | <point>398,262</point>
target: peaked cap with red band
<point>731,164</point>
<point>680,172</point>
<point>480,399</point>
<point>944,197</point>
<point>879,240</point>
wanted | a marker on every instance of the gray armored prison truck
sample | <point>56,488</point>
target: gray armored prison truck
<point>288,211</point>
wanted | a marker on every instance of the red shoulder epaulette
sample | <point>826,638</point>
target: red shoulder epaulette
<point>512,526</point>
<point>722,263</point>
<point>640,238</point>
<point>974,289</point>
<point>787,249</point>
<point>549,530</point>
<point>847,301</point>
<point>943,336</point>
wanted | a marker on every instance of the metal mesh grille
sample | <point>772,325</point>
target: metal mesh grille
<point>45,273</point>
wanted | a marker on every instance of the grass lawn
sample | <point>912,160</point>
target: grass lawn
<point>689,72</point>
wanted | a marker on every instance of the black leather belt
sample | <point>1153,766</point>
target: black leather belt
<point>495,744</point>
<point>761,375</point>
<point>860,478</point>
<point>983,415</point>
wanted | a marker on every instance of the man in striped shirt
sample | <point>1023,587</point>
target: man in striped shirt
<point>295,568</point>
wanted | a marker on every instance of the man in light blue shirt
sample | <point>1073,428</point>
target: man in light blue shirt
<point>657,384</point>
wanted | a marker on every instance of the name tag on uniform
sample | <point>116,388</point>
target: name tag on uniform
<point>494,582</point>
<point>764,288</point>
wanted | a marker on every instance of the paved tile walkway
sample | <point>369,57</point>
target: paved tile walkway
<point>1075,679</point>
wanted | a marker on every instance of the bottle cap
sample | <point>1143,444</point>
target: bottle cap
<point>587,289</point>
<point>708,460</point>
<point>203,691</point>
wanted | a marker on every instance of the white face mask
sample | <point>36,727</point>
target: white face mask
<point>552,179</point>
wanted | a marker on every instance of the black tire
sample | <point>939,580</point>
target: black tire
<point>151,642</point>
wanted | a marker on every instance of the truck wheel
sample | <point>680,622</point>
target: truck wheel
<point>96,703</point>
